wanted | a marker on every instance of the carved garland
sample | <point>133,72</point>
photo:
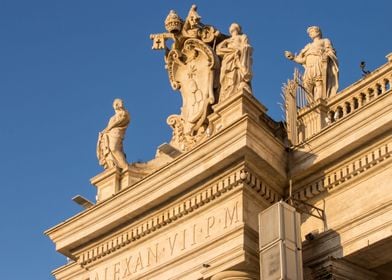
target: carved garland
<point>176,212</point>
<point>345,173</point>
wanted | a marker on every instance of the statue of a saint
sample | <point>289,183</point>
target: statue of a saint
<point>321,76</point>
<point>110,141</point>
<point>236,69</point>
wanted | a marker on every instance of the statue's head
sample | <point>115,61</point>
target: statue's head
<point>118,104</point>
<point>314,31</point>
<point>235,29</point>
<point>193,17</point>
<point>173,22</point>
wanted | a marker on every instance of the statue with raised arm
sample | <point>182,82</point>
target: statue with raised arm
<point>321,76</point>
<point>110,140</point>
<point>236,66</point>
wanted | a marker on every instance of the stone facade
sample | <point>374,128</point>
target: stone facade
<point>192,212</point>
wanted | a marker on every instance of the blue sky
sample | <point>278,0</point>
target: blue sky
<point>63,62</point>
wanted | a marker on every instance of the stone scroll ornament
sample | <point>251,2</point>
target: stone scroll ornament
<point>207,67</point>
<point>110,151</point>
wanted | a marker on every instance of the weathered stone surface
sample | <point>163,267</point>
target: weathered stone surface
<point>191,212</point>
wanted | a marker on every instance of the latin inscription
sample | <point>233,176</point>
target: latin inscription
<point>169,246</point>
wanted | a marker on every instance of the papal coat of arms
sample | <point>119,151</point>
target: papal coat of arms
<point>194,67</point>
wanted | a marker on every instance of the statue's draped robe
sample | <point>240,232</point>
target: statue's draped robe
<point>110,143</point>
<point>313,57</point>
<point>236,64</point>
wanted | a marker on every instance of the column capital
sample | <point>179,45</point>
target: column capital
<point>235,275</point>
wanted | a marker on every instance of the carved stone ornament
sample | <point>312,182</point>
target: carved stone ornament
<point>206,67</point>
<point>192,66</point>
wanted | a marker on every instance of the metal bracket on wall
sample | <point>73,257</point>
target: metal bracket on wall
<point>303,207</point>
<point>306,208</point>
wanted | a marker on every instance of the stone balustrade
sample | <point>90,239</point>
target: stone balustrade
<point>366,90</point>
<point>311,119</point>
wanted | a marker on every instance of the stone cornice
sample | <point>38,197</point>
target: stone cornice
<point>68,271</point>
<point>347,172</point>
<point>235,142</point>
<point>164,217</point>
<point>150,188</point>
<point>261,188</point>
<point>177,212</point>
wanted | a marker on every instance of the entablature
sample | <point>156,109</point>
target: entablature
<point>240,141</point>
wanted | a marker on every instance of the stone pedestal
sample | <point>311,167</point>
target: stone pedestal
<point>233,108</point>
<point>134,174</point>
<point>107,183</point>
<point>113,180</point>
<point>312,120</point>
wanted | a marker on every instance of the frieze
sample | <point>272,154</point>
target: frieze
<point>178,211</point>
<point>166,247</point>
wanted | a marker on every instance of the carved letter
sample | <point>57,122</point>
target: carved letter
<point>183,239</point>
<point>230,217</point>
<point>106,273</point>
<point>116,273</point>
<point>96,277</point>
<point>152,254</point>
<point>194,235</point>
<point>127,267</point>
<point>138,263</point>
<point>210,224</point>
<point>172,244</point>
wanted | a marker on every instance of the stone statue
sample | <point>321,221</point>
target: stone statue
<point>110,141</point>
<point>320,79</point>
<point>236,69</point>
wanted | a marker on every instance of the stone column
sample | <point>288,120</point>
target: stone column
<point>235,275</point>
